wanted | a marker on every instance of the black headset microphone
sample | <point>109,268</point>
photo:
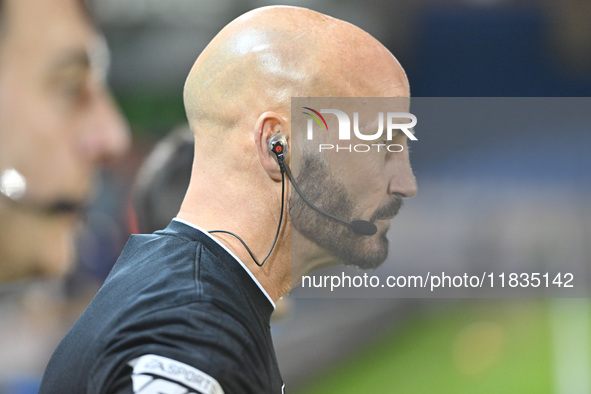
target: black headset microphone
<point>278,145</point>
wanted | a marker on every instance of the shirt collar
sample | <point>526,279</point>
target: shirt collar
<point>255,280</point>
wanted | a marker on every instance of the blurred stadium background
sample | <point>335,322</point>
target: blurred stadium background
<point>456,48</point>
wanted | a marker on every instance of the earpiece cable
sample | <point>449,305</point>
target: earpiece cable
<point>278,226</point>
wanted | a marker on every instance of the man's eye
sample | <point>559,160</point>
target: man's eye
<point>71,85</point>
<point>72,88</point>
<point>74,91</point>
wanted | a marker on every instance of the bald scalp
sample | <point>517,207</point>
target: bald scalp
<point>268,55</point>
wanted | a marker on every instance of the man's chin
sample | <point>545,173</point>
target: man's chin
<point>55,252</point>
<point>54,264</point>
<point>369,254</point>
<point>37,245</point>
<point>60,253</point>
<point>366,263</point>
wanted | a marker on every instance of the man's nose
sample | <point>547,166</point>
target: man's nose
<point>107,135</point>
<point>402,179</point>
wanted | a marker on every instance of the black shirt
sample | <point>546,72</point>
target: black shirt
<point>177,314</point>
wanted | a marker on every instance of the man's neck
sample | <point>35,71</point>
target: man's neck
<point>275,274</point>
<point>307,257</point>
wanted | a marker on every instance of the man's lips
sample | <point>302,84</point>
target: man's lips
<point>66,207</point>
<point>13,187</point>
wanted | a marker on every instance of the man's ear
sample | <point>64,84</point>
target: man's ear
<point>267,125</point>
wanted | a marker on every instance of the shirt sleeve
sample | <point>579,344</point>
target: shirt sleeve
<point>194,348</point>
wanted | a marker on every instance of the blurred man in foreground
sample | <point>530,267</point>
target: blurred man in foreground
<point>58,124</point>
<point>187,309</point>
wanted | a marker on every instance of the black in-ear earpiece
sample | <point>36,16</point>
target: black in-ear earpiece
<point>278,145</point>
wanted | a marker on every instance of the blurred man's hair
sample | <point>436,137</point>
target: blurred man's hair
<point>162,181</point>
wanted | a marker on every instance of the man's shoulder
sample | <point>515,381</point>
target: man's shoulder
<point>176,246</point>
<point>172,295</point>
<point>191,342</point>
<point>159,245</point>
<point>197,333</point>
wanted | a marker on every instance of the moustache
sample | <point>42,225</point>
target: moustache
<point>388,210</point>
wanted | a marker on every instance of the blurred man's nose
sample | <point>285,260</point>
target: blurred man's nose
<point>402,180</point>
<point>107,135</point>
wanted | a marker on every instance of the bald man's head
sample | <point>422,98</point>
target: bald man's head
<point>266,56</point>
<point>238,96</point>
